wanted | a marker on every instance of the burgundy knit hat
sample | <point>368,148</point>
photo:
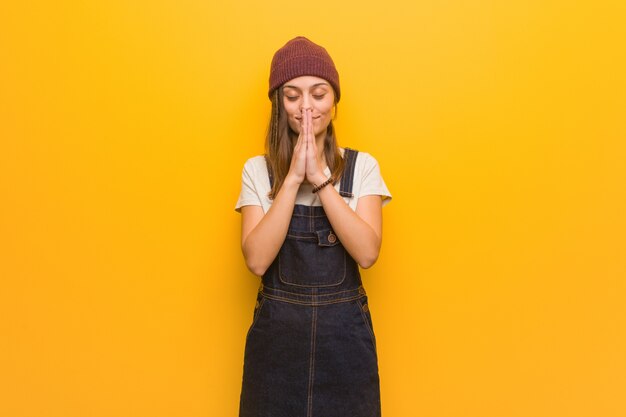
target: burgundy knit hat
<point>300,57</point>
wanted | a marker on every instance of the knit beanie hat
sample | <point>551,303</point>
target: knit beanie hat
<point>300,57</point>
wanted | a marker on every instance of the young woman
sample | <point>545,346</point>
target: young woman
<point>311,215</point>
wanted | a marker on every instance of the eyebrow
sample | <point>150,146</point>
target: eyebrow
<point>297,88</point>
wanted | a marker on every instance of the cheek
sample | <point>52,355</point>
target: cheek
<point>290,111</point>
<point>325,118</point>
<point>291,120</point>
<point>325,108</point>
<point>290,107</point>
<point>294,125</point>
<point>326,114</point>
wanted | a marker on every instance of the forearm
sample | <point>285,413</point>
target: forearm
<point>355,234</point>
<point>263,243</point>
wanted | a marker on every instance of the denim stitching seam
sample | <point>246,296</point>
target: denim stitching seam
<point>367,324</point>
<point>256,316</point>
<point>312,303</point>
<point>312,362</point>
<point>298,294</point>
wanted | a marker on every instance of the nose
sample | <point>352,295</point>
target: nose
<point>306,103</point>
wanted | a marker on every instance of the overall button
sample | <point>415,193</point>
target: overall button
<point>332,238</point>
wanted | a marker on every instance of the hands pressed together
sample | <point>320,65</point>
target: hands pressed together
<point>305,163</point>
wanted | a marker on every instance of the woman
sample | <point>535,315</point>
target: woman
<point>311,215</point>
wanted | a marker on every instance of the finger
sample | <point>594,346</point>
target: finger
<point>311,133</point>
<point>306,117</point>
<point>301,144</point>
<point>308,124</point>
<point>298,144</point>
<point>302,134</point>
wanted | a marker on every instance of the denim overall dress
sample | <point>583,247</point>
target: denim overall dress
<point>311,350</point>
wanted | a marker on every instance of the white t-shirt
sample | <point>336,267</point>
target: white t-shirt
<point>255,184</point>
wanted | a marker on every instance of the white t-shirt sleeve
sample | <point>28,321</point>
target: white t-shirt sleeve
<point>248,195</point>
<point>372,182</point>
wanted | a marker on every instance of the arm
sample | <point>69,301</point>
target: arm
<point>262,235</point>
<point>360,231</point>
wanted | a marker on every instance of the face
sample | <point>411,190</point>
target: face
<point>309,92</point>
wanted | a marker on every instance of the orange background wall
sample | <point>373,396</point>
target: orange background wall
<point>500,131</point>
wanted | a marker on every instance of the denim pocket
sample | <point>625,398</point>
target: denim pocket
<point>315,259</point>
<point>363,307</point>
<point>260,301</point>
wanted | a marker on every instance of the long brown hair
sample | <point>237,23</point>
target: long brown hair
<point>281,140</point>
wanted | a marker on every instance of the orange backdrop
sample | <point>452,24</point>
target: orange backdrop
<point>500,131</point>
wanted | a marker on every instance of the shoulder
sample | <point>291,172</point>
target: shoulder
<point>364,160</point>
<point>368,178</point>
<point>255,164</point>
<point>258,160</point>
<point>362,155</point>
